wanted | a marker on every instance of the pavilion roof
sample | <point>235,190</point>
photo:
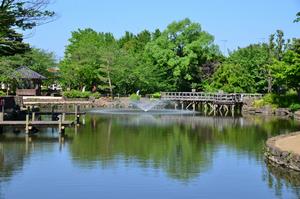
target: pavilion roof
<point>24,72</point>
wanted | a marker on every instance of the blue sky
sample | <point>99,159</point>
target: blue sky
<point>233,22</point>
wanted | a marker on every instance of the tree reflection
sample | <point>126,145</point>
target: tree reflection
<point>279,179</point>
<point>183,146</point>
<point>171,148</point>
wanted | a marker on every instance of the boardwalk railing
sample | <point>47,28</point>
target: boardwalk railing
<point>231,98</point>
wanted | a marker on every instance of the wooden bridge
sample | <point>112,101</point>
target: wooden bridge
<point>213,101</point>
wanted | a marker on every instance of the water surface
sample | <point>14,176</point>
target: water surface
<point>147,156</point>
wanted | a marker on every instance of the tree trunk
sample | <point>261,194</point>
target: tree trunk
<point>110,85</point>
<point>269,82</point>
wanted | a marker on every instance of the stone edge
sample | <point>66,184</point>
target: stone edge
<point>280,157</point>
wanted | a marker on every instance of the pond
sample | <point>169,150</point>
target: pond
<point>147,156</point>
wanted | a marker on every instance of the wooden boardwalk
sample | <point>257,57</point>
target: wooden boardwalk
<point>45,100</point>
<point>35,123</point>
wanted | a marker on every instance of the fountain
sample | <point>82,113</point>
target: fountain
<point>143,106</point>
<point>147,105</point>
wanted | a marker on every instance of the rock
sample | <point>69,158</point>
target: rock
<point>283,112</point>
<point>297,115</point>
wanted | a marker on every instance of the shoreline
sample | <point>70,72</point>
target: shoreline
<point>284,150</point>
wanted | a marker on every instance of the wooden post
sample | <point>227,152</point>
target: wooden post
<point>232,110</point>
<point>76,110</point>
<point>60,124</point>
<point>205,108</point>
<point>63,116</point>
<point>27,124</point>
<point>182,106</point>
<point>194,107</point>
<point>52,112</point>
<point>2,110</point>
<point>33,116</point>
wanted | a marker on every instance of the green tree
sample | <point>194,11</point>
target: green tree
<point>179,53</point>
<point>292,66</point>
<point>36,59</point>
<point>243,71</point>
<point>23,15</point>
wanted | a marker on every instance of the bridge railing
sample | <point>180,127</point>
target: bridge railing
<point>201,96</point>
<point>209,97</point>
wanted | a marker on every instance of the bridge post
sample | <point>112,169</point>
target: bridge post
<point>33,116</point>
<point>205,108</point>
<point>232,110</point>
<point>27,124</point>
<point>194,107</point>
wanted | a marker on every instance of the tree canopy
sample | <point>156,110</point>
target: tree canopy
<point>173,59</point>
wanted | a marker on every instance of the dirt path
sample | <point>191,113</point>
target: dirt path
<point>291,143</point>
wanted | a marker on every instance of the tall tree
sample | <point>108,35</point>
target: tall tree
<point>23,15</point>
<point>179,53</point>
<point>291,59</point>
<point>243,71</point>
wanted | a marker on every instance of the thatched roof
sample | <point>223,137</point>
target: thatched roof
<point>24,72</point>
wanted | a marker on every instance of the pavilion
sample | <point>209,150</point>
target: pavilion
<point>28,81</point>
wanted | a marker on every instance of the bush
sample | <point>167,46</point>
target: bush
<point>134,97</point>
<point>288,100</point>
<point>2,93</point>
<point>96,95</point>
<point>156,95</point>
<point>294,107</point>
<point>76,94</point>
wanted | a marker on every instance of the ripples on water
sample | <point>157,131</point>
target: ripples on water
<point>144,155</point>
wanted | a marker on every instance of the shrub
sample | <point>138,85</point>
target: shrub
<point>76,94</point>
<point>267,100</point>
<point>294,107</point>
<point>134,97</point>
<point>96,95</point>
<point>259,103</point>
<point>2,93</point>
<point>156,95</point>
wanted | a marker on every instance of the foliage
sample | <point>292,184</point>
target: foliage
<point>179,53</point>
<point>2,93</point>
<point>134,97</point>
<point>96,95</point>
<point>20,14</point>
<point>76,94</point>
<point>294,107</point>
<point>243,71</point>
<point>36,59</point>
<point>297,18</point>
<point>156,95</point>
<point>288,100</point>
<point>168,60</point>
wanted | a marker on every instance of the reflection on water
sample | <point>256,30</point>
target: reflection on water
<point>192,150</point>
<point>278,177</point>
